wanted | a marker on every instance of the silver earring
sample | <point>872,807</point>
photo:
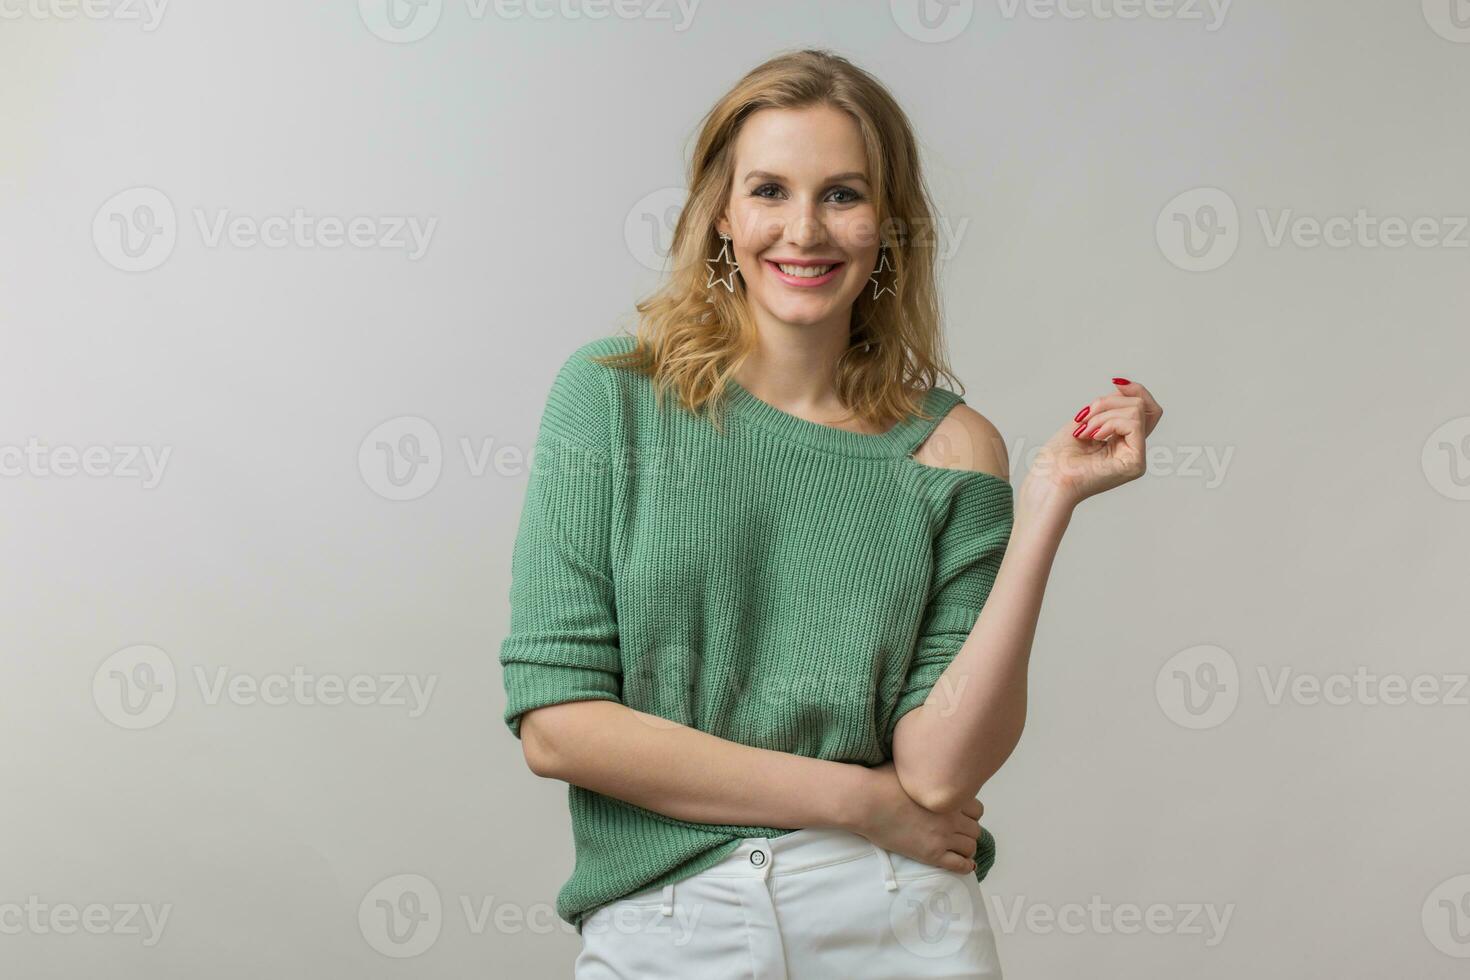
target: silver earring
<point>726,279</point>
<point>878,288</point>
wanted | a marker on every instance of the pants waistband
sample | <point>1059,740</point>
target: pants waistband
<point>800,850</point>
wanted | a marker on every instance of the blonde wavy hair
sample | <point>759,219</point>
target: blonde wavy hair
<point>691,338</point>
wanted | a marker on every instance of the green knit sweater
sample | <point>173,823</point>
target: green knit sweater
<point>783,584</point>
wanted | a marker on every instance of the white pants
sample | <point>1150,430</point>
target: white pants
<point>809,905</point>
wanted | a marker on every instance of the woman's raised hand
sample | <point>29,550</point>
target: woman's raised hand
<point>1103,446</point>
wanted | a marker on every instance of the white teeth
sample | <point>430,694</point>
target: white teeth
<point>805,271</point>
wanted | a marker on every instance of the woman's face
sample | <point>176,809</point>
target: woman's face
<point>801,199</point>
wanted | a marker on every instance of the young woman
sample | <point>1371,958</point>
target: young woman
<point>773,594</point>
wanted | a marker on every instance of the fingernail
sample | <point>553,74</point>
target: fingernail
<point>1082,414</point>
<point>1078,431</point>
<point>1121,381</point>
<point>1093,432</point>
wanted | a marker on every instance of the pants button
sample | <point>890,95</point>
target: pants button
<point>758,858</point>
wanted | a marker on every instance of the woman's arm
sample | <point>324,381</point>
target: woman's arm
<point>688,774</point>
<point>946,749</point>
<point>691,775</point>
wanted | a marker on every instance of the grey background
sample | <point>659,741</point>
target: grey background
<point>1329,536</point>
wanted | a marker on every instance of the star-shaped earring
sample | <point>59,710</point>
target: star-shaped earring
<point>727,279</point>
<point>883,263</point>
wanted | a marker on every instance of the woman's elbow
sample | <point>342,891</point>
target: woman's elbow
<point>538,743</point>
<point>941,797</point>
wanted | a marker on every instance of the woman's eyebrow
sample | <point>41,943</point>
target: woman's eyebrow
<point>849,175</point>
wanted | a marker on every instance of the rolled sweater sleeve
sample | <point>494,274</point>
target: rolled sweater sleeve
<point>562,643</point>
<point>967,554</point>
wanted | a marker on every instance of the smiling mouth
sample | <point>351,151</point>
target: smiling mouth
<point>806,271</point>
<point>805,276</point>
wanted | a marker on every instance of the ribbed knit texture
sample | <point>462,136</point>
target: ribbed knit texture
<point>783,584</point>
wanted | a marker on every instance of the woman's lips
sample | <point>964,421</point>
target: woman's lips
<point>799,281</point>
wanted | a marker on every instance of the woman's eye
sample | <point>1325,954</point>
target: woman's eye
<point>852,194</point>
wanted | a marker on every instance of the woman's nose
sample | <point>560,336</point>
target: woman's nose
<point>806,229</point>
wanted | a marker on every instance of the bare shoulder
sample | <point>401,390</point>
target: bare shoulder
<point>965,440</point>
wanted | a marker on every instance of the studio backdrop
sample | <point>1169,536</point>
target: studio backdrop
<point>284,287</point>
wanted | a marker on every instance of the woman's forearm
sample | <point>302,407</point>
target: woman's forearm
<point>946,749</point>
<point>688,774</point>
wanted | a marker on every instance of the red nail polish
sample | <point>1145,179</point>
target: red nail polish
<point>1082,414</point>
<point>1093,432</point>
<point>1121,381</point>
<point>1078,431</point>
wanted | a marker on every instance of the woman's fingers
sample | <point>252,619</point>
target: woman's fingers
<point>965,845</point>
<point>1098,427</point>
<point>1152,410</point>
<point>968,826</point>
<point>1101,402</point>
<point>950,861</point>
